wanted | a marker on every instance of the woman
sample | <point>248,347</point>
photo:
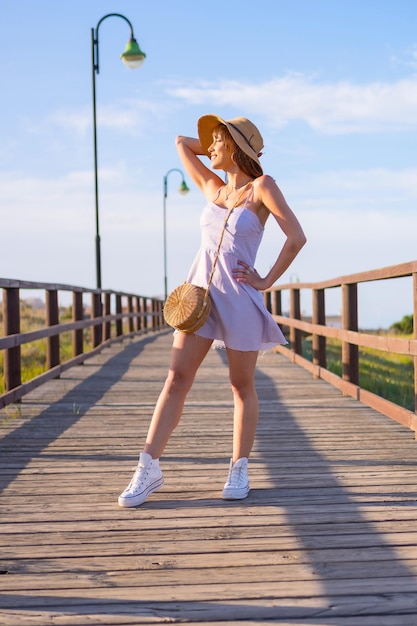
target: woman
<point>238,319</point>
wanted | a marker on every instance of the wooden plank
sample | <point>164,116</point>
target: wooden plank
<point>298,611</point>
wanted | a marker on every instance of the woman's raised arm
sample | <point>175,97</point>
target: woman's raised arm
<point>189,151</point>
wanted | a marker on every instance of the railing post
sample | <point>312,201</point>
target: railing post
<point>276,308</point>
<point>77,315</point>
<point>145,313</point>
<point>119,322</point>
<point>350,352</point>
<point>52,319</point>
<point>319,317</point>
<point>154,314</point>
<point>155,320</point>
<point>415,337</point>
<point>138,311</point>
<point>11,326</point>
<point>267,300</point>
<point>130,311</point>
<point>96,308</point>
<point>107,311</point>
<point>295,313</point>
<point>161,313</point>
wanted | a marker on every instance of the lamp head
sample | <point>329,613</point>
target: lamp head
<point>183,190</point>
<point>133,56</point>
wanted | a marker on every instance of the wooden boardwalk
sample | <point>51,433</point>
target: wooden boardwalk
<point>327,536</point>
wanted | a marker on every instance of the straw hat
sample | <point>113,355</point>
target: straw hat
<point>244,133</point>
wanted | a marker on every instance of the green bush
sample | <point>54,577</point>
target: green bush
<point>386,374</point>
<point>405,326</point>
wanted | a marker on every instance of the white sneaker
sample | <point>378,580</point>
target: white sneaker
<point>146,479</point>
<point>237,484</point>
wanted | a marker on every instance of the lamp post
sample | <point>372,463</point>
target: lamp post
<point>183,190</point>
<point>132,57</point>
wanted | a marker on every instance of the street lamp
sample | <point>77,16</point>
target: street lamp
<point>132,57</point>
<point>183,190</point>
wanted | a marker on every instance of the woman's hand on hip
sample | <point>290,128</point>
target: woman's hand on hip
<point>245,273</point>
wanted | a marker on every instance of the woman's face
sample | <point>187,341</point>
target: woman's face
<point>220,151</point>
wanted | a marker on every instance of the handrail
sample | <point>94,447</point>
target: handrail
<point>114,316</point>
<point>112,311</point>
<point>349,334</point>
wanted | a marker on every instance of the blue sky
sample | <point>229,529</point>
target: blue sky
<point>332,86</point>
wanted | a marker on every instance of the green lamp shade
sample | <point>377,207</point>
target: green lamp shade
<point>183,190</point>
<point>133,56</point>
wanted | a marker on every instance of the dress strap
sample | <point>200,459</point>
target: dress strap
<point>217,193</point>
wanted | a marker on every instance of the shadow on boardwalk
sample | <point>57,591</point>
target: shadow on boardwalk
<point>327,535</point>
<point>34,435</point>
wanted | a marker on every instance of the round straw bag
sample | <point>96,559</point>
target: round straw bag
<point>187,307</point>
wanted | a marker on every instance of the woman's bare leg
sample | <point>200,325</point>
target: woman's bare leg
<point>188,352</point>
<point>246,408</point>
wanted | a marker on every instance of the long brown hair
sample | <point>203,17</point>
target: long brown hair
<point>242,160</point>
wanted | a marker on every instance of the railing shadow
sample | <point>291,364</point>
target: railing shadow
<point>24,438</point>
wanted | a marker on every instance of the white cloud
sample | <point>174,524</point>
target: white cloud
<point>327,107</point>
<point>78,121</point>
<point>406,58</point>
<point>340,107</point>
<point>109,116</point>
<point>131,115</point>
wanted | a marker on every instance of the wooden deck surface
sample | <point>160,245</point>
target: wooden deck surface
<point>327,536</point>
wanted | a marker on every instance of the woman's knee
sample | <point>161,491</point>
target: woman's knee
<point>242,386</point>
<point>179,380</point>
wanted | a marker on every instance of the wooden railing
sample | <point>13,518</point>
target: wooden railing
<point>112,316</point>
<point>116,315</point>
<point>349,334</point>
